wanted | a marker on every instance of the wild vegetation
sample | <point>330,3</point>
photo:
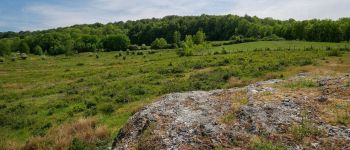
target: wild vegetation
<point>41,94</point>
<point>51,79</point>
<point>168,32</point>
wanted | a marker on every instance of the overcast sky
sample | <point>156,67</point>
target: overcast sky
<point>17,15</point>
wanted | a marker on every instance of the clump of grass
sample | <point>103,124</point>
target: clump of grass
<point>335,53</point>
<point>300,84</point>
<point>347,84</point>
<point>106,109</point>
<point>305,129</point>
<point>147,138</point>
<point>267,146</point>
<point>229,118</point>
<point>344,119</point>
<point>83,134</point>
<point>80,64</point>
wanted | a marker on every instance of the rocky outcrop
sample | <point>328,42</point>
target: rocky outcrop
<point>242,118</point>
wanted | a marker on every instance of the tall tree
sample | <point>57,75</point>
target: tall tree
<point>4,48</point>
<point>23,47</point>
<point>199,37</point>
<point>116,42</point>
<point>177,38</point>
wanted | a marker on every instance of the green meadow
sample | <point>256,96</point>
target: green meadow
<point>42,93</point>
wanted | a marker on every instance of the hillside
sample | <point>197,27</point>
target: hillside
<point>307,111</point>
<point>44,95</point>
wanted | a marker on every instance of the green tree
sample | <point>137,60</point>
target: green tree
<point>38,50</point>
<point>87,43</point>
<point>4,48</point>
<point>187,47</point>
<point>199,37</point>
<point>159,43</point>
<point>189,41</point>
<point>23,47</point>
<point>177,37</point>
<point>116,42</point>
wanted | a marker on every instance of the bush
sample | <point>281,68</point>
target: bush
<point>267,146</point>
<point>134,47</point>
<point>4,48</point>
<point>144,47</point>
<point>217,44</point>
<point>38,50</point>
<point>106,108</point>
<point>139,53</point>
<point>159,43</point>
<point>116,42</point>
<point>303,130</point>
<point>335,53</point>
<point>272,37</point>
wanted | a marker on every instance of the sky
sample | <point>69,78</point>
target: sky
<point>31,15</point>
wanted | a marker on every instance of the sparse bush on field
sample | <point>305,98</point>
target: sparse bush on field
<point>138,90</point>
<point>159,43</point>
<point>335,53</point>
<point>144,47</point>
<point>300,84</point>
<point>134,47</point>
<point>38,50</point>
<point>306,62</point>
<point>82,134</point>
<point>106,108</point>
<point>139,53</point>
<point>299,132</point>
<point>266,145</point>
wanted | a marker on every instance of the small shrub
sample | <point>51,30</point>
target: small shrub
<point>159,43</point>
<point>138,90</point>
<point>124,57</point>
<point>144,47</point>
<point>13,58</point>
<point>299,132</point>
<point>306,62</point>
<point>102,133</point>
<point>106,108</point>
<point>344,118</point>
<point>223,51</point>
<point>217,44</point>
<point>300,84</point>
<point>335,53</point>
<point>134,47</point>
<point>139,53</point>
<point>2,59</point>
<point>267,146</point>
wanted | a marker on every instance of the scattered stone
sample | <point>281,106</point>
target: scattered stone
<point>322,98</point>
<point>23,56</point>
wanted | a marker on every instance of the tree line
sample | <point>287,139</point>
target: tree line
<point>169,32</point>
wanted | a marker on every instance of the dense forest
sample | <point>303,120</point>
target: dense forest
<point>169,32</point>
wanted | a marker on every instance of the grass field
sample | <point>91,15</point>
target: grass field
<point>40,94</point>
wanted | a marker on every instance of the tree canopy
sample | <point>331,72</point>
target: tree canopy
<point>89,37</point>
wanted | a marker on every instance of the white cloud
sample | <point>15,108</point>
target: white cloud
<point>297,9</point>
<point>50,16</point>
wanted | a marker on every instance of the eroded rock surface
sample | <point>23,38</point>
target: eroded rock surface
<point>241,118</point>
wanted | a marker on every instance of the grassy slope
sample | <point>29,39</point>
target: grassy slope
<point>36,92</point>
